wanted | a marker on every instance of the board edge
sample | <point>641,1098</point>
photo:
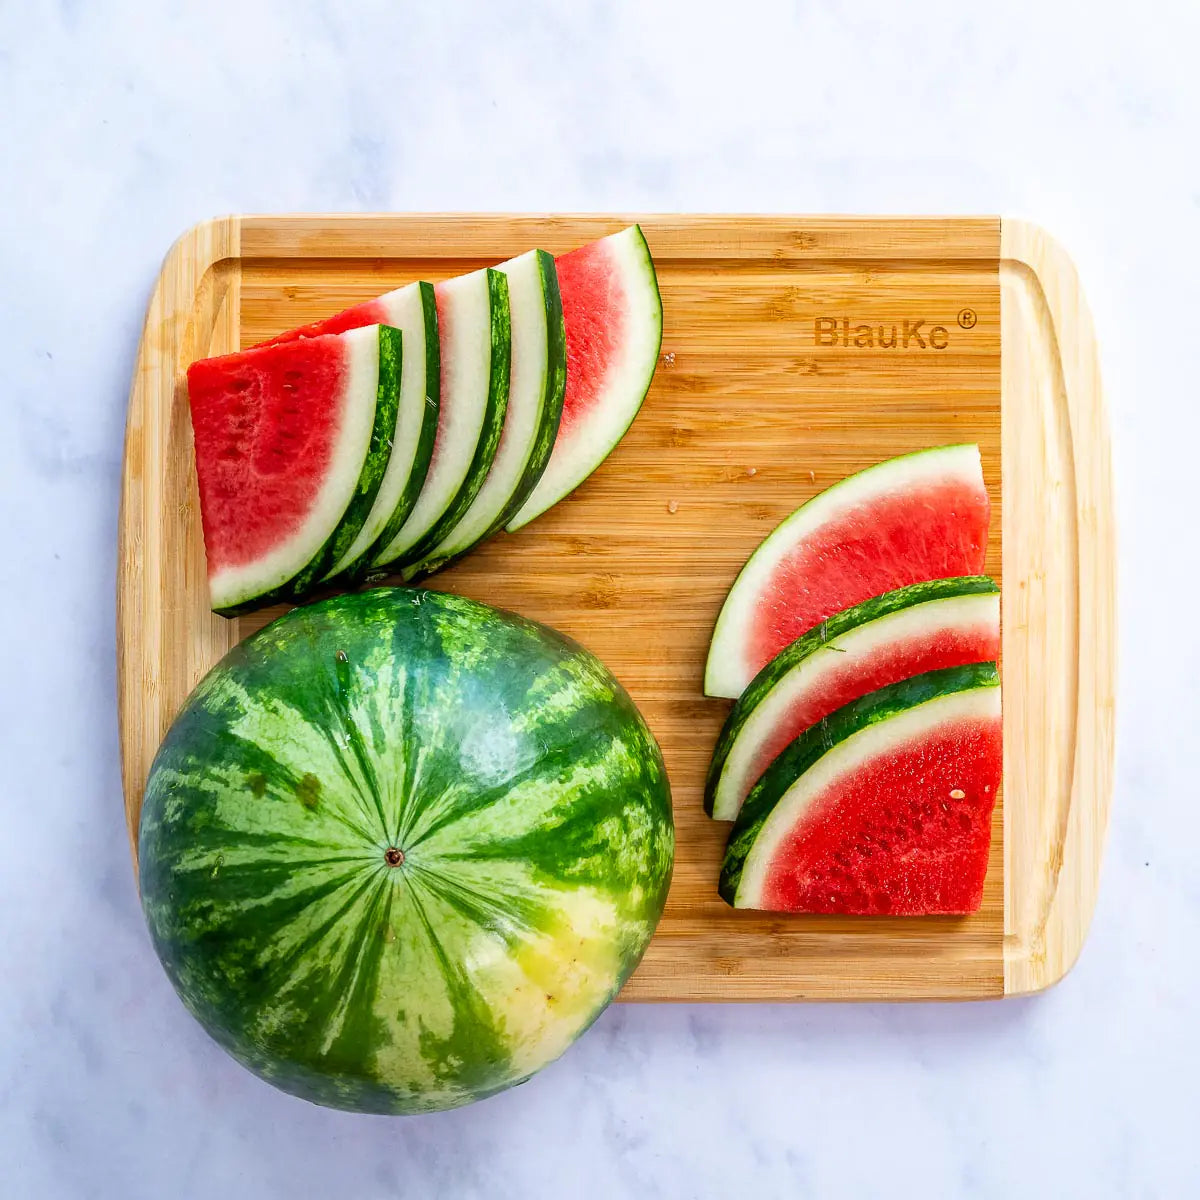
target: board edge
<point>201,243</point>
<point>1043,941</point>
<point>169,335</point>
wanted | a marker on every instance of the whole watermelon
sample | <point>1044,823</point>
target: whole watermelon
<point>400,849</point>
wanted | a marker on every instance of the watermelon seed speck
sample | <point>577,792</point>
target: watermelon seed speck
<point>958,794</point>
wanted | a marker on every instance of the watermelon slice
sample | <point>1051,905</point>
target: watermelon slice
<point>908,520</point>
<point>884,807</point>
<point>292,442</point>
<point>925,627</point>
<point>535,401</point>
<point>613,315</point>
<point>413,311</point>
<point>474,330</point>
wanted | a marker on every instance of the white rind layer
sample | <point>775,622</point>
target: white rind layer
<point>403,310</point>
<point>526,403</point>
<point>848,757</point>
<point>583,446</point>
<point>977,612</point>
<point>237,585</point>
<point>728,670</point>
<point>465,331</point>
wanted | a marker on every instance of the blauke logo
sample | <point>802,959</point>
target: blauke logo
<point>907,335</point>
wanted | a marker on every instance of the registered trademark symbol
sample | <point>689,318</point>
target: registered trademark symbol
<point>967,318</point>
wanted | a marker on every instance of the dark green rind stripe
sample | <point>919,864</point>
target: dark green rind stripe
<point>556,387</point>
<point>815,639</point>
<point>489,436</point>
<point>517,775</point>
<point>811,745</point>
<point>549,421</point>
<point>424,453</point>
<point>384,430</point>
<point>519,520</point>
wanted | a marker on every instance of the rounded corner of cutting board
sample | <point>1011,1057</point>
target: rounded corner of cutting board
<point>1059,609</point>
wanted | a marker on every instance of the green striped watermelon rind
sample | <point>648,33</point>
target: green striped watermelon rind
<point>559,481</point>
<point>556,386</point>
<point>358,570</point>
<point>532,883</point>
<point>383,428</point>
<point>547,430</point>
<point>387,401</point>
<point>489,436</point>
<point>825,637</point>
<point>815,742</point>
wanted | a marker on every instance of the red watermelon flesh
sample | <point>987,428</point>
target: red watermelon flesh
<point>281,435</point>
<point>846,677</point>
<point>265,429</point>
<point>595,312</point>
<point>908,520</point>
<point>907,836</point>
<point>883,808</point>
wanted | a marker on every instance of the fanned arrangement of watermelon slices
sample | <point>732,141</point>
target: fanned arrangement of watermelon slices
<point>924,627</point>
<point>536,385</point>
<point>862,760</point>
<point>413,311</point>
<point>397,435</point>
<point>475,329</point>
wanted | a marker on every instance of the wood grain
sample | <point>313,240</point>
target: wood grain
<point>747,418</point>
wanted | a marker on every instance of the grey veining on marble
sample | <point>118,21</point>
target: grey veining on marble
<point>122,123</point>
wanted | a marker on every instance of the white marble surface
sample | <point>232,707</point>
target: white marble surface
<point>122,123</point>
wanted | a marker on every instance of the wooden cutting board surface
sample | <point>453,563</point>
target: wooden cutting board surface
<point>776,380</point>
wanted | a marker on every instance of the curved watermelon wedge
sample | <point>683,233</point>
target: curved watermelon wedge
<point>924,627</point>
<point>535,402</point>
<point>413,311</point>
<point>885,807</point>
<point>907,520</point>
<point>291,442</point>
<point>474,329</point>
<point>613,315</point>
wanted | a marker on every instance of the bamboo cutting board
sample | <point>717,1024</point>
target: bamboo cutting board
<point>776,380</point>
